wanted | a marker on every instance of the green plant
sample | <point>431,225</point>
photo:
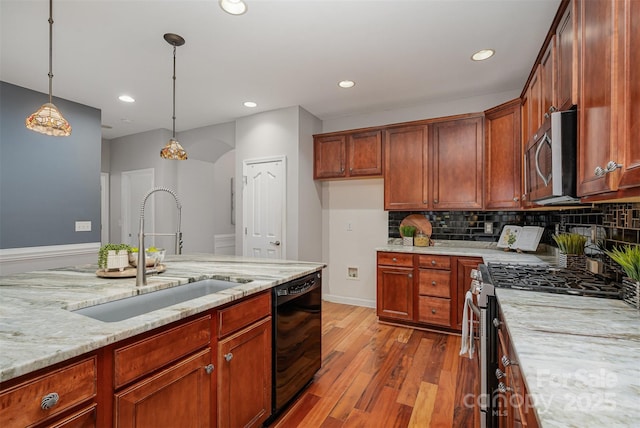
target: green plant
<point>571,243</point>
<point>628,258</point>
<point>103,252</point>
<point>407,230</point>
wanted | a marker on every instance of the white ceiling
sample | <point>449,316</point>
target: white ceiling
<point>280,53</point>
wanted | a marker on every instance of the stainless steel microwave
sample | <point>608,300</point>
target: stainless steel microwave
<point>550,161</point>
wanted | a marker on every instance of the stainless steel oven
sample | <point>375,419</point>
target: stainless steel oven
<point>531,277</point>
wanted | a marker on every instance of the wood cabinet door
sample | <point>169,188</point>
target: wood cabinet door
<point>629,62</point>
<point>395,290</point>
<point>548,80</point>
<point>597,142</point>
<point>535,103</point>
<point>405,168</point>
<point>244,377</point>
<point>567,59</point>
<point>457,171</point>
<point>365,154</point>
<point>330,156</point>
<point>503,157</point>
<point>464,265</point>
<point>177,396</point>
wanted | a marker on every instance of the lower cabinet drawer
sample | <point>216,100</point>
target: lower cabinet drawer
<point>434,283</point>
<point>136,360</point>
<point>85,418</point>
<point>242,314</point>
<point>434,310</point>
<point>22,405</point>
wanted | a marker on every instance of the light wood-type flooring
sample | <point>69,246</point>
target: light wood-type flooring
<point>380,375</point>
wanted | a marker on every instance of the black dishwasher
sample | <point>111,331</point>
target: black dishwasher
<point>297,337</point>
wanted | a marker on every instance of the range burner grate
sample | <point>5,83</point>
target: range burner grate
<point>553,280</point>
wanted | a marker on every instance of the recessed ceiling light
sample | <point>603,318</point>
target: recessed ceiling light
<point>250,104</point>
<point>483,54</point>
<point>346,84</point>
<point>233,7</point>
<point>126,99</point>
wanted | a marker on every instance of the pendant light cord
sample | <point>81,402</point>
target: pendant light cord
<point>50,50</point>
<point>174,91</point>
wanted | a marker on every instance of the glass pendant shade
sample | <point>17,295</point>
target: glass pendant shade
<point>49,121</point>
<point>173,151</point>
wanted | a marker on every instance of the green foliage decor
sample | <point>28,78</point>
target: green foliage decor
<point>628,258</point>
<point>103,252</point>
<point>408,231</point>
<point>571,243</point>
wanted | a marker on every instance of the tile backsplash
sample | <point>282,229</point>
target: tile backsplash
<point>617,223</point>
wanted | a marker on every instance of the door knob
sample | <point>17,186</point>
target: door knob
<point>274,243</point>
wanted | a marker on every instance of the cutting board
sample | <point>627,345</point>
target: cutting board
<point>419,221</point>
<point>128,272</point>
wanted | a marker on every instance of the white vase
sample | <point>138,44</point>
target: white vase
<point>117,260</point>
<point>408,241</point>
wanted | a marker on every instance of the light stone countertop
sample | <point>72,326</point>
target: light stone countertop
<point>580,357</point>
<point>37,328</point>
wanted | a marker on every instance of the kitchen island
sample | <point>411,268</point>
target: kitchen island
<point>38,329</point>
<point>579,357</point>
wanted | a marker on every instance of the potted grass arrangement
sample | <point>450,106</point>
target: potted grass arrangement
<point>571,246</point>
<point>628,257</point>
<point>407,232</point>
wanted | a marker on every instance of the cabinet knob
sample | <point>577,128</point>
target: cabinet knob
<point>433,283</point>
<point>394,259</point>
<point>435,201</point>
<point>610,167</point>
<point>433,311</point>
<point>209,368</point>
<point>228,356</point>
<point>496,323</point>
<point>433,262</point>
<point>507,362</point>
<point>410,275</point>
<point>516,199</point>
<point>504,388</point>
<point>500,374</point>
<point>49,401</point>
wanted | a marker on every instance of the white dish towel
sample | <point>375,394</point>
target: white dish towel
<point>467,346</point>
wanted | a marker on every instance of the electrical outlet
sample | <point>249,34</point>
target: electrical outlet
<point>83,226</point>
<point>488,228</point>
<point>352,272</point>
<point>349,227</point>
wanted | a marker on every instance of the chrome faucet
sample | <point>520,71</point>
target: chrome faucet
<point>141,272</point>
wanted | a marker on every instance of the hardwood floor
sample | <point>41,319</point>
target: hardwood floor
<point>378,375</point>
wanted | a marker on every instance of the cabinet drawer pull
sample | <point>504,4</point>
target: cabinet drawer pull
<point>433,262</point>
<point>433,283</point>
<point>433,311</point>
<point>507,362</point>
<point>209,368</point>
<point>500,374</point>
<point>504,388</point>
<point>394,260</point>
<point>49,401</point>
<point>228,356</point>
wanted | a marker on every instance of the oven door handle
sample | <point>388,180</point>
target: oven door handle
<point>474,308</point>
<point>544,140</point>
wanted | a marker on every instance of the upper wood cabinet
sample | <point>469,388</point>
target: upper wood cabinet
<point>609,117</point>
<point>436,166</point>
<point>534,95</point>
<point>567,59</point>
<point>405,171</point>
<point>344,155</point>
<point>456,165</point>
<point>548,87</point>
<point>503,157</point>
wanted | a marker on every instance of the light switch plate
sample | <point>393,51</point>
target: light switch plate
<point>83,226</point>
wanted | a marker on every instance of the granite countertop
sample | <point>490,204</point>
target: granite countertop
<point>580,357</point>
<point>489,251</point>
<point>37,328</point>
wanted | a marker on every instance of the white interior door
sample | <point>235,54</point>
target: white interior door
<point>264,207</point>
<point>135,185</point>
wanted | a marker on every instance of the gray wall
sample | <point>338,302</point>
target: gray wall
<point>47,183</point>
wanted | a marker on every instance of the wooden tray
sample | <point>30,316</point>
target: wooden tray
<point>420,222</point>
<point>128,272</point>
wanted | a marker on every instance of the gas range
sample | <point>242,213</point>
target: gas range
<point>551,279</point>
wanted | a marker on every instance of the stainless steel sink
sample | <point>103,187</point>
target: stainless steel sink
<point>130,307</point>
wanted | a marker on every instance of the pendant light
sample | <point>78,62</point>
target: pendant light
<point>48,119</point>
<point>173,150</point>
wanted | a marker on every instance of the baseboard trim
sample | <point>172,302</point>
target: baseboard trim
<point>354,301</point>
<point>15,260</point>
